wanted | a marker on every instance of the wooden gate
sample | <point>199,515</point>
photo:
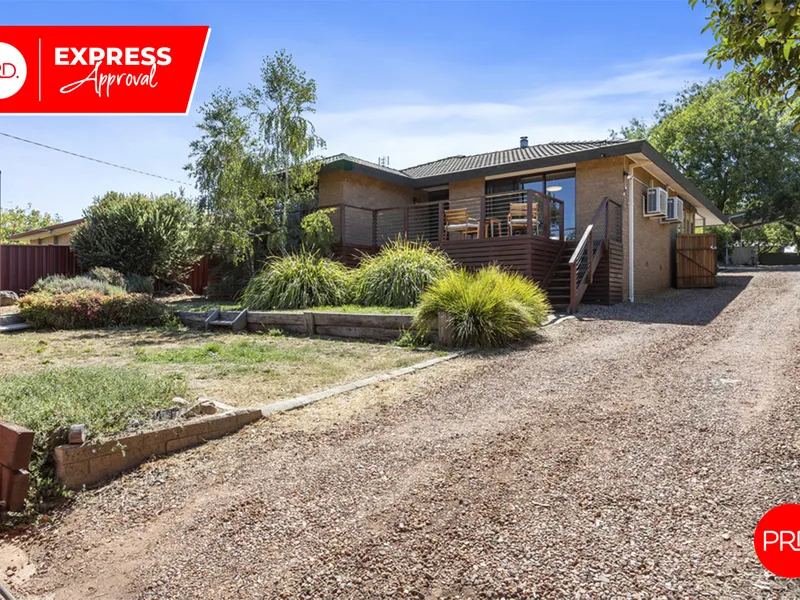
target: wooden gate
<point>696,260</point>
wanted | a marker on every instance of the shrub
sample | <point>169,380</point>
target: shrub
<point>487,309</point>
<point>108,275</point>
<point>87,309</point>
<point>298,281</point>
<point>59,284</point>
<point>398,274</point>
<point>317,233</point>
<point>139,284</point>
<point>134,233</point>
<point>106,399</point>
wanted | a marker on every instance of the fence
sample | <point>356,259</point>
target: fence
<point>22,265</point>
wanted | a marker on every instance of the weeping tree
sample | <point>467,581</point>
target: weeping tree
<point>255,163</point>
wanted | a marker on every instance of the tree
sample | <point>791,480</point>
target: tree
<point>743,156</point>
<point>762,38</point>
<point>254,162</point>
<point>135,233</point>
<point>17,220</point>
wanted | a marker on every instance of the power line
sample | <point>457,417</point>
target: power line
<point>97,160</point>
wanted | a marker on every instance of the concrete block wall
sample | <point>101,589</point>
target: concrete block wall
<point>79,465</point>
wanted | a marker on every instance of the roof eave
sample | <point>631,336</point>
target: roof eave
<point>46,230</point>
<point>344,164</point>
<point>662,163</point>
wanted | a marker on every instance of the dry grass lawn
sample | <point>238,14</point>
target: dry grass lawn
<point>238,369</point>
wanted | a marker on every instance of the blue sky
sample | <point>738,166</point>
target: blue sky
<point>414,81</point>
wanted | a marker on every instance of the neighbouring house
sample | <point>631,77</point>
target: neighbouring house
<point>591,221</point>
<point>59,234</point>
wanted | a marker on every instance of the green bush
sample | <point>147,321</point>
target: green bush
<point>108,275</point>
<point>134,233</point>
<point>105,399</point>
<point>317,233</point>
<point>487,309</point>
<point>60,284</point>
<point>398,274</point>
<point>298,280</point>
<point>87,309</point>
<point>139,284</point>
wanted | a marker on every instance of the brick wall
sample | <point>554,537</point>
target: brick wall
<point>468,188</point>
<point>596,179</point>
<point>652,255</point>
<point>78,465</point>
<point>344,187</point>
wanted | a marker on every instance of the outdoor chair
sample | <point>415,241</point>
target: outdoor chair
<point>518,217</point>
<point>457,220</point>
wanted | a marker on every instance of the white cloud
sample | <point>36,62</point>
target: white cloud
<point>413,133</point>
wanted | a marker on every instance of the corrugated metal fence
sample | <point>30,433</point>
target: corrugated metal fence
<point>23,265</point>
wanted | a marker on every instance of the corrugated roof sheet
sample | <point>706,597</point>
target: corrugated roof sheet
<point>455,164</point>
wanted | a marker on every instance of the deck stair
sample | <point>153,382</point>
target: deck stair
<point>558,285</point>
<point>235,320</point>
<point>13,322</point>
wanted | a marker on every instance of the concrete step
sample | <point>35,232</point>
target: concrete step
<point>221,323</point>
<point>15,327</point>
<point>10,319</point>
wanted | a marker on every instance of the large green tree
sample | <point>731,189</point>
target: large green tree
<point>254,163</point>
<point>762,39</point>
<point>742,155</point>
<point>135,233</point>
<point>16,220</point>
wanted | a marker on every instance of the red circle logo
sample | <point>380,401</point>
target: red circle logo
<point>777,540</point>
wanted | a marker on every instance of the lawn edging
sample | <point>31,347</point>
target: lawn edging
<point>86,464</point>
<point>91,463</point>
<point>306,399</point>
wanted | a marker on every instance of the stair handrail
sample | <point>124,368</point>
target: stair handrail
<point>581,255</point>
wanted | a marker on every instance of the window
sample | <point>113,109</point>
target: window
<point>560,185</point>
<point>439,195</point>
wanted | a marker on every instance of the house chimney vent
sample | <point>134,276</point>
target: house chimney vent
<point>523,141</point>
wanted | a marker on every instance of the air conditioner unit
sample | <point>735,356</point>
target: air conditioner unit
<point>674,210</point>
<point>655,203</point>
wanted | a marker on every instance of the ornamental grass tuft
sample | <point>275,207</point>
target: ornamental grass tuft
<point>301,280</point>
<point>488,308</point>
<point>399,273</point>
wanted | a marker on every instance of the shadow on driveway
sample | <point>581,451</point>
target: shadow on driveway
<point>677,307</point>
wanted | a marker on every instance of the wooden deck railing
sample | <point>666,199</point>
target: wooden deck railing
<point>605,225</point>
<point>543,216</point>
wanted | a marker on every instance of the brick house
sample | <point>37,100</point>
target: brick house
<point>585,219</point>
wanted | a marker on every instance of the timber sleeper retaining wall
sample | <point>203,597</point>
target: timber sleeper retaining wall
<point>90,463</point>
<point>331,324</point>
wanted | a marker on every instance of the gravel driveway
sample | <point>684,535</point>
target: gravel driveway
<point>627,455</point>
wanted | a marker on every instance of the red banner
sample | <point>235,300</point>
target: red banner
<point>100,70</point>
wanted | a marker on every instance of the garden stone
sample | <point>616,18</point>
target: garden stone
<point>201,407</point>
<point>8,298</point>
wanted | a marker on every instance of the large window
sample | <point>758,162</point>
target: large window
<point>559,184</point>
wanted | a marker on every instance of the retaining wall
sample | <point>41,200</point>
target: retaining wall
<point>344,325</point>
<point>78,465</point>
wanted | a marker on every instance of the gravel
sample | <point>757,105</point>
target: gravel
<point>626,454</point>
